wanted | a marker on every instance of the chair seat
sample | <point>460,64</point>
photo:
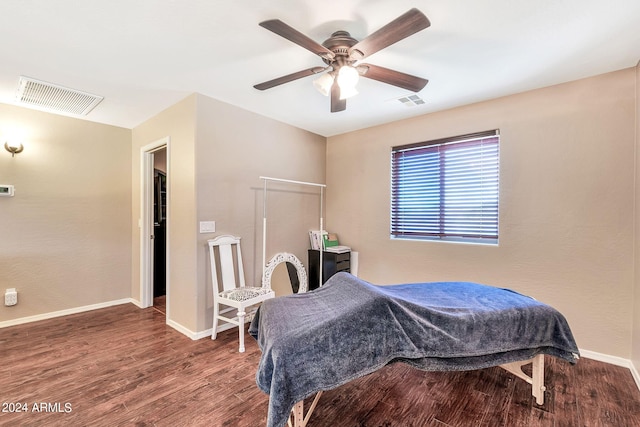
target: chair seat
<point>244,293</point>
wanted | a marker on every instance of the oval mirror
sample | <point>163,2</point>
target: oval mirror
<point>294,269</point>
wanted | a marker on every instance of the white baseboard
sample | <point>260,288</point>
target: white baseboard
<point>178,327</point>
<point>75,310</point>
<point>613,360</point>
<point>636,375</point>
<point>188,332</point>
<point>198,335</point>
<point>175,325</point>
<point>606,358</point>
<point>136,303</point>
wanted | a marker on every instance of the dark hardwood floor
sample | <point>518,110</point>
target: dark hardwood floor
<point>160,304</point>
<point>122,366</point>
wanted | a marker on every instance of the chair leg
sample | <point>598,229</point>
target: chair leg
<point>241,315</point>
<point>216,312</point>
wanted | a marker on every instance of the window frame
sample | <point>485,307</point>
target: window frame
<point>402,228</point>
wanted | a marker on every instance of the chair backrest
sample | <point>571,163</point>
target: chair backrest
<point>231,268</point>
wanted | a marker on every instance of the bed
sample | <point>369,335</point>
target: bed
<point>349,328</point>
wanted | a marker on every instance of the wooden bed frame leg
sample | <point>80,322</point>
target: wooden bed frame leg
<point>297,414</point>
<point>537,375</point>
<point>297,417</point>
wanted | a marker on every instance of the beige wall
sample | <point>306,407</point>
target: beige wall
<point>217,153</point>
<point>179,124</point>
<point>566,203</point>
<point>65,234</point>
<point>234,148</point>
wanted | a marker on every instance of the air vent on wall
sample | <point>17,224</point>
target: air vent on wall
<point>39,94</point>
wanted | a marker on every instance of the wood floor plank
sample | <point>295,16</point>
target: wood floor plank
<point>123,366</point>
<point>471,410</point>
<point>561,386</point>
<point>607,398</point>
<point>500,386</point>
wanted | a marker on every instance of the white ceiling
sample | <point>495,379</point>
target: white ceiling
<point>145,55</point>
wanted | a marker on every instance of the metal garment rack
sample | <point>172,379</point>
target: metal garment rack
<point>264,216</point>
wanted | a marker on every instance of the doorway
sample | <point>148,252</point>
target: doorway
<point>159,259</point>
<point>154,225</point>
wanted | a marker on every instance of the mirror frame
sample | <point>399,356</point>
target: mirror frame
<point>278,259</point>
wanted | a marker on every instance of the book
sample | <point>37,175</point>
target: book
<point>326,241</point>
<point>338,249</point>
<point>315,240</point>
<point>330,240</point>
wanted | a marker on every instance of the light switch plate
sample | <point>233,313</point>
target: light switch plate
<point>207,227</point>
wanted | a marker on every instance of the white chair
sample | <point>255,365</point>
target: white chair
<point>234,294</point>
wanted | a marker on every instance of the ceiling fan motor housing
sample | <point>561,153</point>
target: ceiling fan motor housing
<point>339,43</point>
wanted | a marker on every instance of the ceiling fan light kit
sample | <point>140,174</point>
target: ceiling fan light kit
<point>324,83</point>
<point>347,92</point>
<point>341,52</point>
<point>348,77</point>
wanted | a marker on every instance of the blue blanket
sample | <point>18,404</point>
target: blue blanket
<point>350,328</point>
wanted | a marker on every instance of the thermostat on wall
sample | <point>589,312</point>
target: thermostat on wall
<point>6,190</point>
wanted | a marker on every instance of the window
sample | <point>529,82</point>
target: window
<point>446,189</point>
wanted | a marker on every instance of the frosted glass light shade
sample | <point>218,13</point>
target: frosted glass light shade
<point>348,92</point>
<point>324,83</point>
<point>348,77</point>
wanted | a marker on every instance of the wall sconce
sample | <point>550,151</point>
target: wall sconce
<point>13,148</point>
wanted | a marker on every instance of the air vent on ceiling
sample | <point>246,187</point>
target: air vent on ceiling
<point>39,94</point>
<point>411,101</point>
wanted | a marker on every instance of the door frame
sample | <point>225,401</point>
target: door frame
<point>146,221</point>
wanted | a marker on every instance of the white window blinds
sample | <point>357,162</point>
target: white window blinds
<point>446,189</point>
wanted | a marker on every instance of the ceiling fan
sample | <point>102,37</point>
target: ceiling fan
<point>341,53</point>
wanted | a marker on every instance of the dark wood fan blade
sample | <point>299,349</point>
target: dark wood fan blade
<point>392,77</point>
<point>295,36</point>
<point>289,78</point>
<point>337,104</point>
<point>407,24</point>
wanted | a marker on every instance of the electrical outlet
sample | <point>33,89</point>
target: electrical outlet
<point>10,297</point>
